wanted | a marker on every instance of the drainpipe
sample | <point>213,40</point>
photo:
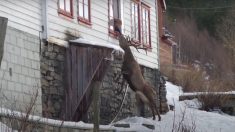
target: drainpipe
<point>157,33</point>
<point>44,20</point>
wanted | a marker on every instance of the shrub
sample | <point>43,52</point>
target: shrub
<point>190,79</point>
<point>212,100</point>
<point>193,80</point>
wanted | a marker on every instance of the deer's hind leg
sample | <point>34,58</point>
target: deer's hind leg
<point>153,111</point>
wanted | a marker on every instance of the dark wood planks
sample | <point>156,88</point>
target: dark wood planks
<point>85,66</point>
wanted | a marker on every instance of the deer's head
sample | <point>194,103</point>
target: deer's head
<point>123,42</point>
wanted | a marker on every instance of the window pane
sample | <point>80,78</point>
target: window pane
<point>132,24</point>
<point>132,20</point>
<point>61,2</point>
<point>111,21</point>
<point>80,9</point>
<point>146,29</point>
<point>116,8</point>
<point>136,22</point>
<point>145,26</point>
<point>111,8</point>
<point>86,2</point>
<point>86,12</point>
<point>148,32</point>
<point>68,4</point>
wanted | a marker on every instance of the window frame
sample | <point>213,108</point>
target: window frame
<point>63,11</point>
<point>137,42</point>
<point>147,45</point>
<point>140,42</point>
<point>82,19</point>
<point>112,32</point>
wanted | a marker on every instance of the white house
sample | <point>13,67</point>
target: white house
<point>32,24</point>
<point>91,21</point>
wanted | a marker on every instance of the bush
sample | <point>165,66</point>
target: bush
<point>193,80</point>
<point>190,79</point>
<point>212,100</point>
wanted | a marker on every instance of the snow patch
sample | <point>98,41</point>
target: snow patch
<point>194,118</point>
<point>173,93</point>
<point>205,93</point>
<point>37,119</point>
<point>194,103</point>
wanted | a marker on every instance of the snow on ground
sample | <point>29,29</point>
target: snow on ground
<point>51,122</point>
<point>187,110</point>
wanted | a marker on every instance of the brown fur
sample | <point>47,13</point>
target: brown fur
<point>132,73</point>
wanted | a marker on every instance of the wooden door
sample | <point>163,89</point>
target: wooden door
<point>85,65</point>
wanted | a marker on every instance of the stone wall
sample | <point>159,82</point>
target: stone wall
<point>53,84</point>
<point>111,92</point>
<point>20,71</point>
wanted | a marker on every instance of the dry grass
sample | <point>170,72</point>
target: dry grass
<point>189,79</point>
<point>193,80</point>
<point>211,100</point>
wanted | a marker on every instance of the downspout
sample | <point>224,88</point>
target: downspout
<point>157,33</point>
<point>44,20</point>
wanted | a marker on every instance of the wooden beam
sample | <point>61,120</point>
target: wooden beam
<point>96,106</point>
<point>3,28</point>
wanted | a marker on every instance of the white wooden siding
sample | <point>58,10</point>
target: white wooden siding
<point>59,25</point>
<point>24,15</point>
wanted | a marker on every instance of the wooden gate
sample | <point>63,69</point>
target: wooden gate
<point>85,65</point>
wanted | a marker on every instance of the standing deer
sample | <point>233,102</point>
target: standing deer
<point>132,74</point>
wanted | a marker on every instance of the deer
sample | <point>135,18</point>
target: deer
<point>132,74</point>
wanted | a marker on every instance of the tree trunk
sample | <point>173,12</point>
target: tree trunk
<point>3,27</point>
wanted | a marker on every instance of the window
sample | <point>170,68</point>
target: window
<point>66,7</point>
<point>114,13</point>
<point>84,11</point>
<point>135,21</point>
<point>146,39</point>
<point>140,23</point>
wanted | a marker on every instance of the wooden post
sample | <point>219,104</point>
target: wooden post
<point>3,28</point>
<point>96,105</point>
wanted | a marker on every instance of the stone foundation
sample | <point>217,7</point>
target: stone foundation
<point>112,90</point>
<point>53,82</point>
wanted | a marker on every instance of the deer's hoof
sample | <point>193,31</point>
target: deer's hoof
<point>154,118</point>
<point>159,118</point>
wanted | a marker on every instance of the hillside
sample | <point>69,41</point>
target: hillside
<point>204,33</point>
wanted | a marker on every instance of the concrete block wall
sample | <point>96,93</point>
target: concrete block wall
<point>20,71</point>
